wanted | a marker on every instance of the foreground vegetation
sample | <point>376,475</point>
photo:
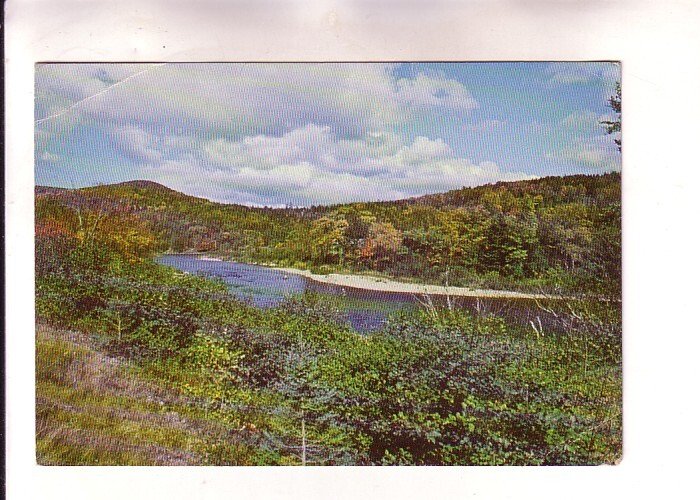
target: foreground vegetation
<point>141,364</point>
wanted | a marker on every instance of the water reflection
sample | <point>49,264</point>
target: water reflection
<point>367,310</point>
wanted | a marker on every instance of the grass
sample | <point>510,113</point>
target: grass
<point>96,410</point>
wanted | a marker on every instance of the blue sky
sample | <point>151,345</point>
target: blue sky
<point>303,134</point>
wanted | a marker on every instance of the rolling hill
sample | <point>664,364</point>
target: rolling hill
<point>564,229</point>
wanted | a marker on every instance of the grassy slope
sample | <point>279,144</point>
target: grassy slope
<point>518,394</point>
<point>93,409</point>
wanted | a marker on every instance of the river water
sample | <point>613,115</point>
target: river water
<point>366,310</point>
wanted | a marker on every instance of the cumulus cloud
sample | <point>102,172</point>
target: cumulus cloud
<point>585,122</point>
<point>431,91</point>
<point>308,143</point>
<point>312,165</point>
<point>137,143</point>
<point>568,73</point>
<point>303,134</point>
<point>369,155</point>
<point>580,119</point>
<point>602,76</point>
<point>422,150</point>
<point>586,143</point>
<point>302,184</point>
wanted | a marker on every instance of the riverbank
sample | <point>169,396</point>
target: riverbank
<point>382,284</point>
<point>387,285</point>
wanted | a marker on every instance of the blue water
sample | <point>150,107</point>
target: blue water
<point>366,310</point>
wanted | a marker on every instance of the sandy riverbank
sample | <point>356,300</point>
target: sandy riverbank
<point>387,285</point>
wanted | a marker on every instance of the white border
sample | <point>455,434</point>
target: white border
<point>658,45</point>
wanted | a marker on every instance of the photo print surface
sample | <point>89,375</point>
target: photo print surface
<point>328,263</point>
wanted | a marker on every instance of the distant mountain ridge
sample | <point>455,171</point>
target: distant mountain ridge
<point>456,197</point>
<point>542,186</point>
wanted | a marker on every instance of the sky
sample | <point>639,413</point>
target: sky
<point>283,134</point>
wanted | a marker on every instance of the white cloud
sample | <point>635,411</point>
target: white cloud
<point>586,122</point>
<point>311,165</point>
<point>586,143</point>
<point>246,99</point>
<point>318,145</point>
<point>570,73</point>
<point>271,134</point>
<point>580,119</point>
<point>582,72</point>
<point>302,184</point>
<point>585,73</point>
<point>453,173</point>
<point>599,153</point>
<point>431,91</point>
<point>137,143</point>
<point>421,150</point>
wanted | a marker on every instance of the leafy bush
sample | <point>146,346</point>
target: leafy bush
<point>435,386</point>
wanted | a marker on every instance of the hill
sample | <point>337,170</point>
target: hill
<point>553,230</point>
<point>553,190</point>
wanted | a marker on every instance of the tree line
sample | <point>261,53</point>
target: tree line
<point>552,232</point>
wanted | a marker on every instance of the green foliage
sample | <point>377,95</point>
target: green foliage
<point>432,388</point>
<point>330,243</point>
<point>551,233</point>
<point>435,386</point>
<point>615,126</point>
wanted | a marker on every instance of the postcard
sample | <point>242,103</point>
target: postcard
<point>328,263</point>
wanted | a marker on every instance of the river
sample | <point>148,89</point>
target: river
<point>366,310</point>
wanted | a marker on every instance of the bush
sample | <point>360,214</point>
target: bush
<point>435,386</point>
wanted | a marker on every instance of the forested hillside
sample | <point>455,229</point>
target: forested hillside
<point>138,363</point>
<point>554,232</point>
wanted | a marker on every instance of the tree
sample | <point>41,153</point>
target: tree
<point>328,235</point>
<point>615,126</point>
<point>503,249</point>
<point>382,243</point>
